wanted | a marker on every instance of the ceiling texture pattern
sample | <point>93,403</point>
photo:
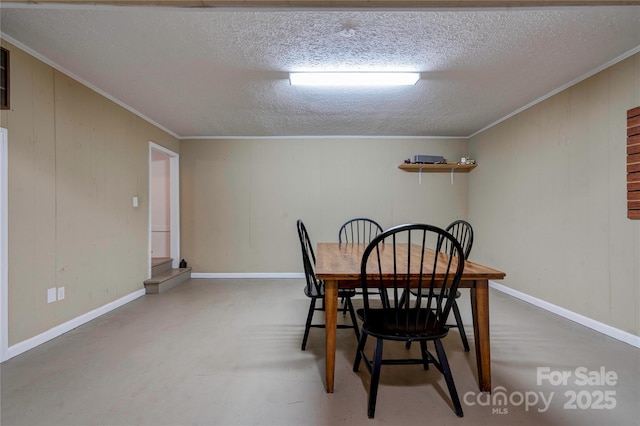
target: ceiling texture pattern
<point>223,72</point>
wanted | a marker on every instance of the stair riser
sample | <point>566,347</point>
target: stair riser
<point>158,269</point>
<point>156,287</point>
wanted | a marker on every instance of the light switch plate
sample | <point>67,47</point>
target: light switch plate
<point>51,295</point>
<point>60,293</point>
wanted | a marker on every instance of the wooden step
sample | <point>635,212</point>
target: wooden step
<point>166,280</point>
<point>160,264</point>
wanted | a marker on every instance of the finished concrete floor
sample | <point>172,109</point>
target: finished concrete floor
<point>227,352</point>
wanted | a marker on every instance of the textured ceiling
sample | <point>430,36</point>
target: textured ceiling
<point>224,72</point>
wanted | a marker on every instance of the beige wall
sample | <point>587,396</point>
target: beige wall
<point>241,198</point>
<point>76,160</point>
<point>548,200</point>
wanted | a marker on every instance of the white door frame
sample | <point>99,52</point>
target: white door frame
<point>4,244</point>
<point>174,203</point>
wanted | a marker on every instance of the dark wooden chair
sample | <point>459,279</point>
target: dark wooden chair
<point>387,315</point>
<point>358,230</point>
<point>314,288</point>
<point>463,233</point>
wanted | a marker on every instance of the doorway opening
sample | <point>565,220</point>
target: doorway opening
<point>164,207</point>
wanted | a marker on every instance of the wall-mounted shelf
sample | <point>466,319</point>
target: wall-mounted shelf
<point>437,168</point>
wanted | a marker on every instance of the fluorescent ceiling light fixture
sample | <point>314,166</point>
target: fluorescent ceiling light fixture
<point>353,78</point>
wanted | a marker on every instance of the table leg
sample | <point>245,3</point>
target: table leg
<point>331,315</point>
<point>480,311</point>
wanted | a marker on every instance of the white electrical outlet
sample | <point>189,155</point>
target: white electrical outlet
<point>60,293</point>
<point>51,295</point>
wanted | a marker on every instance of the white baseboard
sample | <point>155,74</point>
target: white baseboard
<point>242,275</point>
<point>41,338</point>
<point>605,329</point>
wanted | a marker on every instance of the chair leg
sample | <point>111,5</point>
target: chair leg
<point>375,379</point>
<point>307,327</point>
<point>463,335</point>
<point>425,354</point>
<point>448,377</point>
<point>361,343</point>
<point>354,320</point>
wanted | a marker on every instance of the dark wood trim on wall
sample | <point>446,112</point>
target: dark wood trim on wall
<point>4,78</point>
<point>633,163</point>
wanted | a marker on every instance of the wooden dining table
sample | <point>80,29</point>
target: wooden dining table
<point>338,265</point>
